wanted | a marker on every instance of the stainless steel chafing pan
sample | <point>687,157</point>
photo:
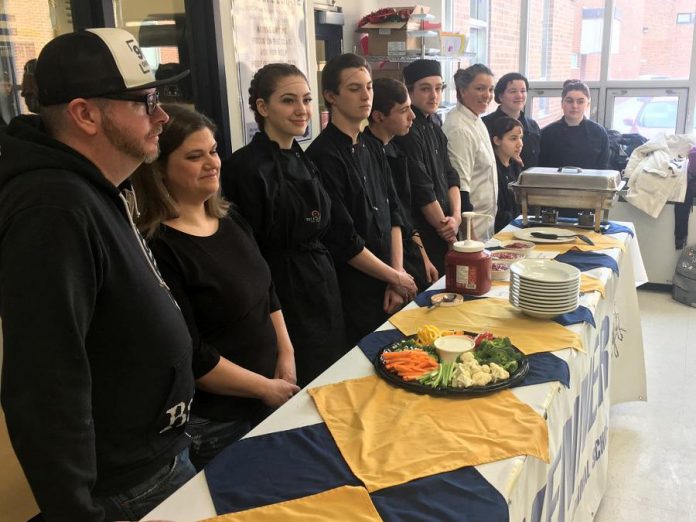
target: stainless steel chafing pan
<point>568,187</point>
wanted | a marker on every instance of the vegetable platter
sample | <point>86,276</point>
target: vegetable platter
<point>413,364</point>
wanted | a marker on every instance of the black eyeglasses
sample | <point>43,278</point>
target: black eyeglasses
<point>151,100</point>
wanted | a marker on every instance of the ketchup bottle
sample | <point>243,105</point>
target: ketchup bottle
<point>468,265</point>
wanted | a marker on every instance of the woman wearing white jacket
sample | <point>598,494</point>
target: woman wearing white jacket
<point>469,146</point>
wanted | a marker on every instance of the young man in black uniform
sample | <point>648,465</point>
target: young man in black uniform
<point>365,239</point>
<point>392,116</point>
<point>97,378</point>
<point>434,182</point>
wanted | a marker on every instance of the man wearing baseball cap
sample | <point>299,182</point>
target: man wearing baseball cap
<point>96,380</point>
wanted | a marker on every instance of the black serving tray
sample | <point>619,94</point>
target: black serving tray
<point>414,386</point>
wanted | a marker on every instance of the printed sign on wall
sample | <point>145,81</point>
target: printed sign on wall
<point>266,31</point>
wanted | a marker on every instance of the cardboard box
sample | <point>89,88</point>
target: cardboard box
<point>388,70</point>
<point>391,38</point>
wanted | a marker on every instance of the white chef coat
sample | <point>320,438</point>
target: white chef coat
<point>471,154</point>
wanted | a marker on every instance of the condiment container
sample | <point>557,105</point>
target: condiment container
<point>468,265</point>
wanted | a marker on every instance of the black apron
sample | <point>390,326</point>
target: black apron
<point>302,268</point>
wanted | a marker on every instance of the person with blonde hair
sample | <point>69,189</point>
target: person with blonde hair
<point>242,355</point>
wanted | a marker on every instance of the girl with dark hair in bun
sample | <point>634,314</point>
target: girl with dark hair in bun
<point>574,141</point>
<point>277,189</point>
<point>506,136</point>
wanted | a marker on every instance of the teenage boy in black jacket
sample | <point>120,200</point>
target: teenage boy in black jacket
<point>434,182</point>
<point>97,379</point>
<point>365,240</point>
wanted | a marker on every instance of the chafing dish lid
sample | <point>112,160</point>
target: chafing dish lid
<point>569,177</point>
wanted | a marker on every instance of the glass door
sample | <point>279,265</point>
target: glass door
<point>647,111</point>
<point>23,33</point>
<point>160,28</point>
<point>544,105</point>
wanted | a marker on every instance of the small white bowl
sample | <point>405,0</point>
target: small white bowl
<point>516,245</point>
<point>500,271</point>
<point>506,257</point>
<point>450,346</point>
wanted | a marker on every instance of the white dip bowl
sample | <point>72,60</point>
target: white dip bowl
<point>450,346</point>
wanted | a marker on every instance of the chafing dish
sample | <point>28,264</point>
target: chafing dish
<point>567,187</point>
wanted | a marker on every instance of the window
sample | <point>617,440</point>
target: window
<point>23,32</point>
<point>653,44</point>
<point>686,18</point>
<point>559,29</point>
<point>493,29</point>
<point>160,32</point>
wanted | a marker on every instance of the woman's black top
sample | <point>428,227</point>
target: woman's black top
<point>225,292</point>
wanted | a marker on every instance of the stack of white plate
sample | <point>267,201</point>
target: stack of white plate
<point>544,287</point>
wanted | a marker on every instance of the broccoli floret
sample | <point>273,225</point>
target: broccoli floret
<point>500,352</point>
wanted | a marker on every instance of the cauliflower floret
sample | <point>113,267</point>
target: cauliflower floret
<point>461,377</point>
<point>466,357</point>
<point>485,368</point>
<point>481,378</point>
<point>499,373</point>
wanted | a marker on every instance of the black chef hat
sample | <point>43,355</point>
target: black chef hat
<point>421,69</point>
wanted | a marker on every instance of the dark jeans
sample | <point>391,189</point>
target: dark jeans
<point>138,501</point>
<point>210,437</point>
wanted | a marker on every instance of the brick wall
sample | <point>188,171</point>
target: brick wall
<point>504,36</point>
<point>30,24</point>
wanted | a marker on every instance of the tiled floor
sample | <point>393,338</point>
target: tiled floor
<point>652,445</point>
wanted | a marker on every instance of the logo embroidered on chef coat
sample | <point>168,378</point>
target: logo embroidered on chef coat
<point>315,217</point>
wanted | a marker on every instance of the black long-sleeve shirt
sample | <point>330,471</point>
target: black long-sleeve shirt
<point>508,209</point>
<point>279,194</point>
<point>358,179</point>
<point>431,176</point>
<point>585,145</point>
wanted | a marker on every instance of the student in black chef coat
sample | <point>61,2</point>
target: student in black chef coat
<point>392,116</point>
<point>511,93</point>
<point>366,234</point>
<point>277,189</point>
<point>434,182</point>
<point>574,141</point>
